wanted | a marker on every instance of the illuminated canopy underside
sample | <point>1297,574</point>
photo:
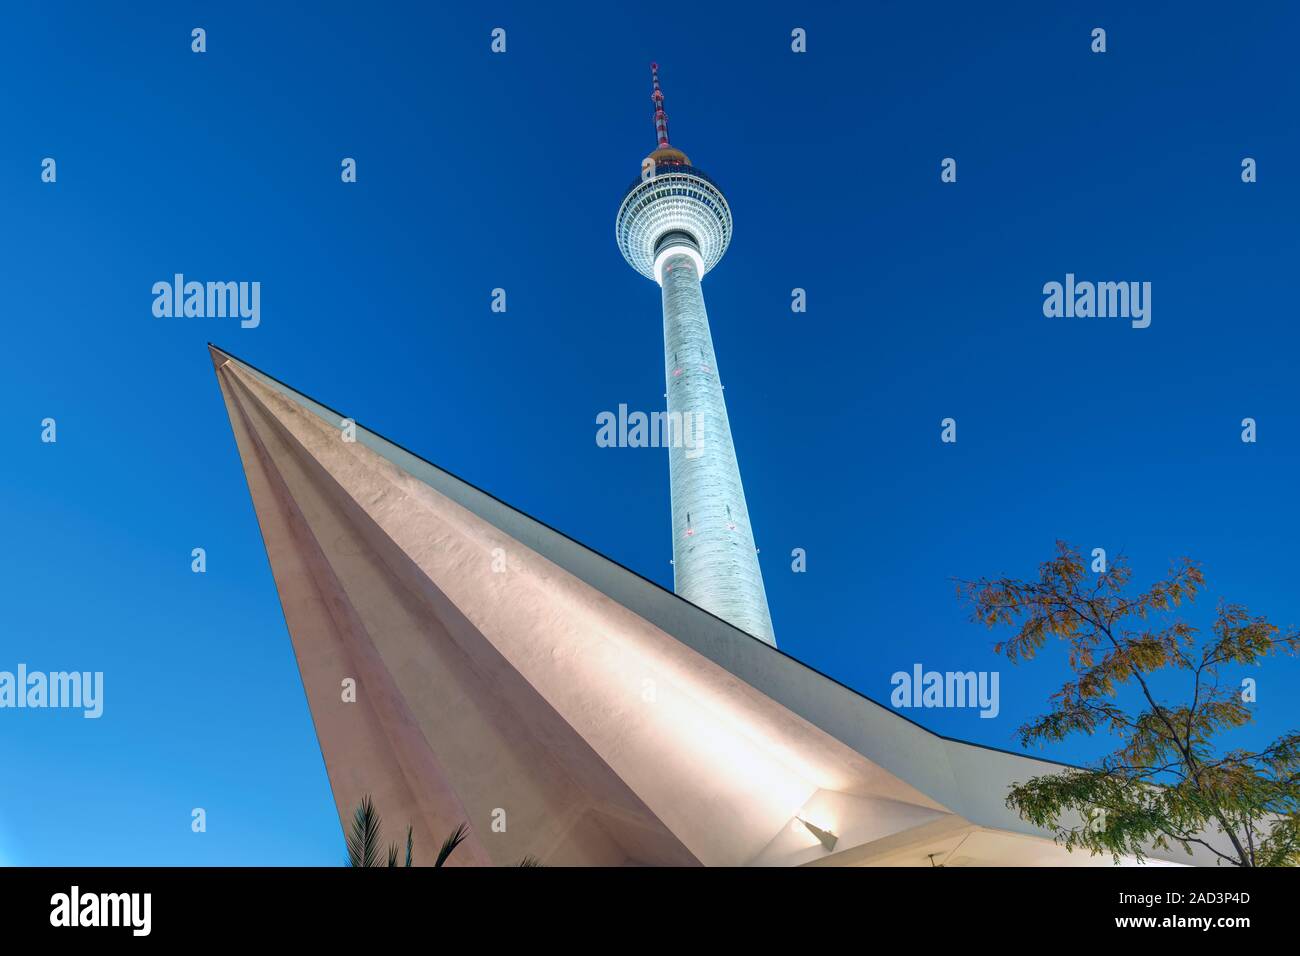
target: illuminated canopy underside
<point>506,673</point>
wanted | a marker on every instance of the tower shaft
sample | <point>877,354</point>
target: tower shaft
<point>673,226</point>
<point>715,562</point>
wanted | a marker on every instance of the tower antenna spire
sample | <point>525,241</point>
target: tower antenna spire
<point>661,118</point>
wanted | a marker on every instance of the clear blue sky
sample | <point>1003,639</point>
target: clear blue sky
<point>479,171</point>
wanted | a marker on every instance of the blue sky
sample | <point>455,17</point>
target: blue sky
<point>478,171</point>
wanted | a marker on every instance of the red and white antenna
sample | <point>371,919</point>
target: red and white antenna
<point>661,118</point>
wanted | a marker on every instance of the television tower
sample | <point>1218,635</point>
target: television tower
<point>673,227</point>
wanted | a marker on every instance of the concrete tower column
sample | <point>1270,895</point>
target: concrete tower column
<point>715,562</point>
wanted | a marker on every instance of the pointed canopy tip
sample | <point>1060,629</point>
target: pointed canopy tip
<point>219,358</point>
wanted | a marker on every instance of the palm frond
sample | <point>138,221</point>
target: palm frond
<point>363,841</point>
<point>530,861</point>
<point>448,845</point>
<point>410,845</point>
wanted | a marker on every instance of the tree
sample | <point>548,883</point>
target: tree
<point>1170,781</point>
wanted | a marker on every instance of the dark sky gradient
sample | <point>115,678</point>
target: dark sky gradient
<point>479,171</point>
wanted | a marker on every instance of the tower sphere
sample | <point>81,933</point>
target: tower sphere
<point>672,205</point>
<point>678,202</point>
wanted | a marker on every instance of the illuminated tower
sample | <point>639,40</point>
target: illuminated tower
<point>673,227</point>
